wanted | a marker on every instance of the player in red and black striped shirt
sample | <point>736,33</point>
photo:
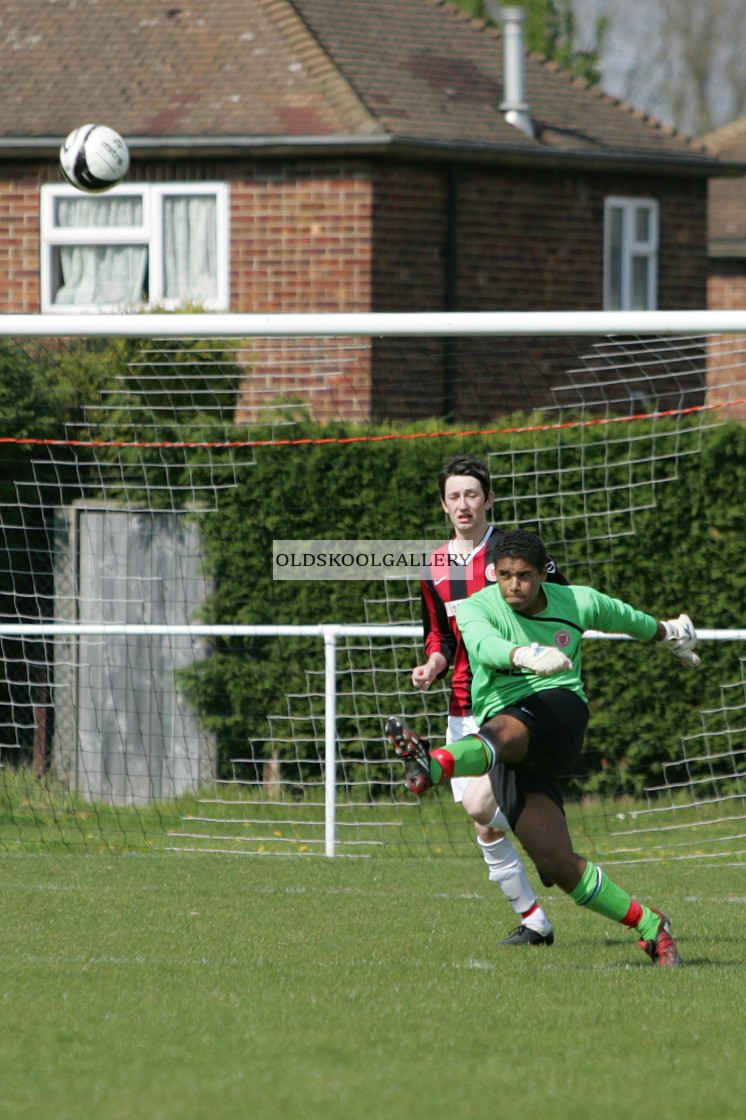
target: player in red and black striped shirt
<point>457,569</point>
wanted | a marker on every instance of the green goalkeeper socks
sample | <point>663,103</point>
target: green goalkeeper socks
<point>465,758</point>
<point>599,893</point>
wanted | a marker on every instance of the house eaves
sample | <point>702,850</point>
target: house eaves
<point>385,146</point>
<point>265,78</point>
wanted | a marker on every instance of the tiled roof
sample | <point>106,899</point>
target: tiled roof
<point>401,71</point>
<point>730,140</point>
<point>160,68</point>
<point>428,71</point>
<point>726,211</point>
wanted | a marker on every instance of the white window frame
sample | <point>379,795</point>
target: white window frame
<point>149,233</point>
<point>631,248</point>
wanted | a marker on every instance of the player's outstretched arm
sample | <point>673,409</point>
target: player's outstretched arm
<point>679,635</point>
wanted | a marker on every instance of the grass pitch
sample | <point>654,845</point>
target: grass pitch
<point>164,985</point>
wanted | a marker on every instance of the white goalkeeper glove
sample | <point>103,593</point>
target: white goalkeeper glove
<point>545,661</point>
<point>681,638</point>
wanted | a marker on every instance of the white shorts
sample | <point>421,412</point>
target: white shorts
<point>458,727</point>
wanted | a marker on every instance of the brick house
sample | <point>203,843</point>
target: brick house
<point>726,242</point>
<point>339,155</point>
<point>726,232</point>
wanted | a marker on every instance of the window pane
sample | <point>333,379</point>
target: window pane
<point>642,223</point>
<point>91,275</point>
<point>190,271</point>
<point>77,213</point>
<point>615,228</point>
<point>630,261</point>
<point>158,244</point>
<point>640,269</point>
<point>615,259</point>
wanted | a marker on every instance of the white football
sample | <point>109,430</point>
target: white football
<point>94,158</point>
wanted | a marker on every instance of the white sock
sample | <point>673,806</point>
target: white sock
<point>507,871</point>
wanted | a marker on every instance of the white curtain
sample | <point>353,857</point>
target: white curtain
<point>189,248</point>
<point>100,274</point>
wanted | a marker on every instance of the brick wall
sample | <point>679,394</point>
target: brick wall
<point>300,238</point>
<point>354,235</point>
<point>726,285</point>
<point>726,291</point>
<point>523,241</point>
<point>301,242</point>
<point>19,236</point>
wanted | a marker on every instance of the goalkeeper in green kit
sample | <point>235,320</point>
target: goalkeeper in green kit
<point>523,637</point>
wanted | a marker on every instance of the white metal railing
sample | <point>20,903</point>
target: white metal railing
<point>329,632</point>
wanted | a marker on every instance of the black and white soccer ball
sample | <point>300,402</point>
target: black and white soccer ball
<point>94,158</point>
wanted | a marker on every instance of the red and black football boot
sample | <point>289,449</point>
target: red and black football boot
<point>413,751</point>
<point>662,948</point>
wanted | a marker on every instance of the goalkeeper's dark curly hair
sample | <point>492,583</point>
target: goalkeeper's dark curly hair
<point>519,544</point>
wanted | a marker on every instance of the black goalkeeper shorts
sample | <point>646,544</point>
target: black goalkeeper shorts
<point>557,719</point>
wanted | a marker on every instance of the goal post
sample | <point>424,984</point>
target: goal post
<point>158,688</point>
<point>330,635</point>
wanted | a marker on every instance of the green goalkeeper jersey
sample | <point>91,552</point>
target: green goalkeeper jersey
<point>491,630</point>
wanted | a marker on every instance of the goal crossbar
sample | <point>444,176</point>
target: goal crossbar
<point>369,324</point>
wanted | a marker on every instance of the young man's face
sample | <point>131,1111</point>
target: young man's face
<point>520,584</point>
<point>466,505</point>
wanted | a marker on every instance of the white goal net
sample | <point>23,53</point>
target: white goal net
<point>159,688</point>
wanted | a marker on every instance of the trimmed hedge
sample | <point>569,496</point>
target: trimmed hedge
<point>681,550</point>
<point>662,528</point>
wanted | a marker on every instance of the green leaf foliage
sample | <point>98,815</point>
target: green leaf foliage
<point>681,550</point>
<point>550,30</point>
<point>662,527</point>
<point>38,397</point>
<point>107,390</point>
